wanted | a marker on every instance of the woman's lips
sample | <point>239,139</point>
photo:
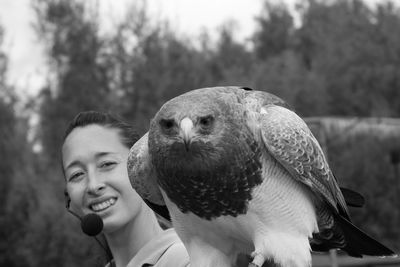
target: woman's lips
<point>100,206</point>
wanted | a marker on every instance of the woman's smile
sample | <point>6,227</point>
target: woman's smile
<point>103,204</point>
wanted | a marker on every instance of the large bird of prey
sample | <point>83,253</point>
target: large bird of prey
<point>242,173</point>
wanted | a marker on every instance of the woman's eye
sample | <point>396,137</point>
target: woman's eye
<point>75,176</point>
<point>107,164</point>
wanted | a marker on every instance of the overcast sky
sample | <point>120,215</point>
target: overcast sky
<point>26,61</point>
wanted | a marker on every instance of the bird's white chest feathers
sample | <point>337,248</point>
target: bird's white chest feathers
<point>281,213</point>
<point>282,203</point>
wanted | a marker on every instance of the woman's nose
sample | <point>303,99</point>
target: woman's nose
<point>96,190</point>
<point>95,186</point>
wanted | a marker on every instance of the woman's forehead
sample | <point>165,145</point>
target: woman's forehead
<point>91,140</point>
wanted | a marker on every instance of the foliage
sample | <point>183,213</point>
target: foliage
<point>74,48</point>
<point>375,176</point>
<point>162,66</point>
<point>352,49</point>
<point>275,31</point>
<point>16,194</point>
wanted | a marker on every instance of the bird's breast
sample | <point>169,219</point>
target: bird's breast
<point>210,182</point>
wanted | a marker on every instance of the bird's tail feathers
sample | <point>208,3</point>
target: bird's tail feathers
<point>359,243</point>
<point>352,198</point>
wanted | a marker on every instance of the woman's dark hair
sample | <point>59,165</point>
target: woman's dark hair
<point>127,132</point>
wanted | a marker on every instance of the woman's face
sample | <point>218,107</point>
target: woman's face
<point>95,165</point>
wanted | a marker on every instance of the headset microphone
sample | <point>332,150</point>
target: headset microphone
<point>92,224</point>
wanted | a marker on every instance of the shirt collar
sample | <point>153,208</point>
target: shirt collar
<point>154,249</point>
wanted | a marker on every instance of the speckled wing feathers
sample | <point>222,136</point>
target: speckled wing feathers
<point>142,174</point>
<point>290,142</point>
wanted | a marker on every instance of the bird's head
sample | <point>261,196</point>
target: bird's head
<point>186,122</point>
<point>200,144</point>
<point>193,129</point>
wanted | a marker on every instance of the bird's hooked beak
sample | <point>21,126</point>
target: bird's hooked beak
<point>186,131</point>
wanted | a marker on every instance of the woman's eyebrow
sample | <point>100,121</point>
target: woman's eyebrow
<point>102,154</point>
<point>72,164</point>
<point>97,155</point>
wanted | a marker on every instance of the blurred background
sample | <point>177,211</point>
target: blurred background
<point>336,62</point>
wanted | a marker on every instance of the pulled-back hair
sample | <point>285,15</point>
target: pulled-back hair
<point>127,132</point>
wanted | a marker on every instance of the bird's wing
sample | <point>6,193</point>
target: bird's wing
<point>141,172</point>
<point>289,140</point>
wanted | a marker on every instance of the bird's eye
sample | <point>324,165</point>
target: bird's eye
<point>167,124</point>
<point>206,121</point>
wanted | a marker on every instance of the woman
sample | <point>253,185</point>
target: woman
<point>94,161</point>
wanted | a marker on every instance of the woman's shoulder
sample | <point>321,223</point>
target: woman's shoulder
<point>167,250</point>
<point>175,254</point>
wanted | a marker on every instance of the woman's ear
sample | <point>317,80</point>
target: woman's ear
<point>67,199</point>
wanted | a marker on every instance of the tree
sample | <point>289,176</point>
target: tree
<point>16,195</point>
<point>80,79</point>
<point>275,29</point>
<point>8,155</point>
<point>349,46</point>
<point>362,162</point>
<point>229,63</point>
<point>152,65</point>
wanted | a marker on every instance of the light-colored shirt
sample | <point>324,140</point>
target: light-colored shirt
<point>165,250</point>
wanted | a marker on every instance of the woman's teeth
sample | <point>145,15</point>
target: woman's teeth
<point>103,205</point>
